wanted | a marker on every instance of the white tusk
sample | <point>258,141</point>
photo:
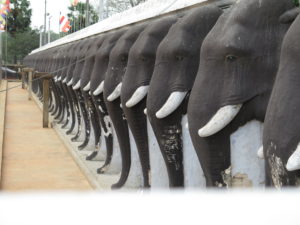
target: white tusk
<point>87,87</point>
<point>99,89</point>
<point>115,94</point>
<point>145,111</point>
<point>294,161</point>
<point>220,120</point>
<point>59,79</point>
<point>173,102</point>
<point>260,152</point>
<point>137,96</point>
<point>77,86</point>
<point>55,78</point>
<point>70,82</point>
<point>65,80</point>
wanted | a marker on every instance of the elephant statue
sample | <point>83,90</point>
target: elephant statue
<point>135,85</point>
<point>238,63</point>
<point>282,129</point>
<point>96,89</point>
<point>175,69</point>
<point>112,89</point>
<point>85,88</point>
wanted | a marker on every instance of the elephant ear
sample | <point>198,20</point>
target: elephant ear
<point>290,15</point>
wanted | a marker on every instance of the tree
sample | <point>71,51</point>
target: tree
<point>19,19</point>
<point>17,46</point>
<point>77,16</point>
<point>20,38</point>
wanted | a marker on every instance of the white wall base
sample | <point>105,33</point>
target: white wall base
<point>193,173</point>
<point>247,169</point>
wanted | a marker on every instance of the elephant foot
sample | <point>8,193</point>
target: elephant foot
<point>68,132</point>
<point>103,169</point>
<point>117,186</point>
<point>65,124</point>
<point>83,145</point>
<point>91,156</point>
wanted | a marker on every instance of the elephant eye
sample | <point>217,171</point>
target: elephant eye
<point>144,59</point>
<point>231,58</point>
<point>179,57</point>
<point>124,58</point>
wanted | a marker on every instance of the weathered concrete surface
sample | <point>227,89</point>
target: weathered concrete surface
<point>3,86</point>
<point>34,158</point>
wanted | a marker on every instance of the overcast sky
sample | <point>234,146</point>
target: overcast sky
<point>53,7</point>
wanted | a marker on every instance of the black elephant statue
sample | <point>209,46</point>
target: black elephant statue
<point>238,64</point>
<point>175,69</point>
<point>282,123</point>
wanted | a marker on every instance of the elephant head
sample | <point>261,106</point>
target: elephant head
<point>101,62</point>
<point>89,63</point>
<point>112,89</point>
<point>282,123</point>
<point>238,64</point>
<point>82,54</point>
<point>136,82</point>
<point>175,69</point>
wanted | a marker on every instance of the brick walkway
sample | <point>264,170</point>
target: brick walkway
<point>34,158</point>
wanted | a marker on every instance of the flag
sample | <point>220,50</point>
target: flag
<point>74,2</point>
<point>2,24</point>
<point>6,5</point>
<point>64,23</point>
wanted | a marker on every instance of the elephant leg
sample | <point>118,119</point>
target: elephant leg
<point>106,125</point>
<point>96,126</point>
<point>122,132</point>
<point>138,125</point>
<point>109,150</point>
<point>72,111</point>
<point>214,156</point>
<point>86,119</point>
<point>56,105</point>
<point>78,114</point>
<point>60,102</point>
<point>68,106</point>
<point>168,132</point>
<point>63,104</point>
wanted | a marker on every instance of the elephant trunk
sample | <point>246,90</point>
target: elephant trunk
<point>137,122</point>
<point>121,128</point>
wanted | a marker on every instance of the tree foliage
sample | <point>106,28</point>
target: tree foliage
<point>17,46</point>
<point>77,16</point>
<point>20,38</point>
<point>19,19</point>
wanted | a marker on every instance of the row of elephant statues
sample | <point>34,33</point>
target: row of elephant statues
<point>204,72</point>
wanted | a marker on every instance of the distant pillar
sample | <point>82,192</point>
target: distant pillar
<point>30,85</point>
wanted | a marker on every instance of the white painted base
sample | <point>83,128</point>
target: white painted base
<point>82,128</point>
<point>193,173</point>
<point>116,162</point>
<point>244,145</point>
<point>158,176</point>
<point>91,144</point>
<point>135,177</point>
<point>101,152</point>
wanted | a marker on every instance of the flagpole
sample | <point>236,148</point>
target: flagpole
<point>45,18</point>
<point>59,24</point>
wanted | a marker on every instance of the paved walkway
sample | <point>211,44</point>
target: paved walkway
<point>34,158</point>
